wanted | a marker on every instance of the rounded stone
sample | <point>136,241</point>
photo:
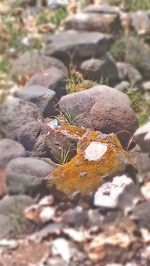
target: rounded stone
<point>25,175</point>
<point>10,149</point>
<point>15,113</point>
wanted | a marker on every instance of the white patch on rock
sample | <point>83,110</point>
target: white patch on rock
<point>108,194</point>
<point>95,151</point>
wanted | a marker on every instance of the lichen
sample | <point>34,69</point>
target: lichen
<point>81,174</point>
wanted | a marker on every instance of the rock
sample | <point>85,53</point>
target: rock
<point>97,108</point>
<point>11,208</point>
<point>78,104</point>
<point>142,137</point>
<point>123,85</point>
<point>32,137</point>
<point>105,8</point>
<point>26,175</point>
<point>105,23</point>
<point>75,217</point>
<point>32,62</point>
<point>142,162</point>
<point>146,86</point>
<point>117,117</point>
<point>10,149</point>
<point>141,22</point>
<point>119,193</point>
<point>128,72</point>
<point>141,215</point>
<point>39,95</point>
<point>98,156</point>
<point>81,45</point>
<point>100,69</point>
<point>61,142</point>
<point>3,187</point>
<point>52,78</point>
<point>137,53</point>
<point>15,113</point>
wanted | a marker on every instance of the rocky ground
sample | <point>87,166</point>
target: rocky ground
<point>75,133</point>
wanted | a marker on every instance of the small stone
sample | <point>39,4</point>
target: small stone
<point>82,45</point>
<point>15,113</point>
<point>51,78</point>
<point>26,175</point>
<point>142,137</point>
<point>141,22</point>
<point>10,149</point>
<point>39,95</point>
<point>106,23</point>
<point>108,195</point>
<point>32,62</point>
<point>103,68</point>
<point>130,73</point>
<point>102,8</point>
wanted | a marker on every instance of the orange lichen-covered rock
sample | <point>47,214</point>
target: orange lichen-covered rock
<point>98,156</point>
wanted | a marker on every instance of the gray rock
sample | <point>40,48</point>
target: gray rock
<point>108,116</point>
<point>141,214</point>
<point>137,53</point>
<point>146,86</point>
<point>52,78</point>
<point>15,113</point>
<point>34,61</point>
<point>39,95</point>
<point>28,134</point>
<point>11,208</point>
<point>128,72</point>
<point>80,45</point>
<point>106,23</point>
<point>142,137</point>
<point>33,137</point>
<point>97,108</point>
<point>105,8</point>
<point>78,104</point>
<point>123,85</point>
<point>100,69</point>
<point>141,22</point>
<point>10,149</point>
<point>25,175</point>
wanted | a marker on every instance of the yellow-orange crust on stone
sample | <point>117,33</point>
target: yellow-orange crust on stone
<point>86,175</point>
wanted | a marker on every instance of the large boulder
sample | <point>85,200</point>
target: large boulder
<point>39,95</point>
<point>25,175</point>
<point>102,108</point>
<point>10,149</point>
<point>32,62</point>
<point>15,113</point>
<point>106,23</point>
<point>100,69</point>
<point>79,45</point>
<point>52,78</point>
